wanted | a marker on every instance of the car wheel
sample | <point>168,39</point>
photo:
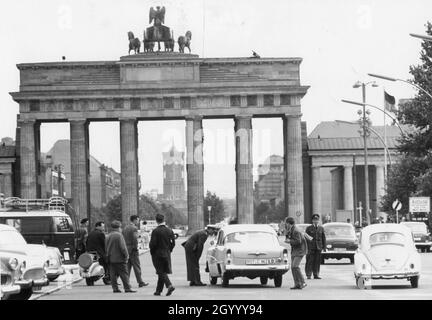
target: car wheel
<point>414,281</point>
<point>25,294</point>
<point>213,280</point>
<point>225,280</point>
<point>278,280</point>
<point>89,282</point>
<point>263,280</point>
<point>360,282</point>
<point>52,278</point>
<point>428,249</point>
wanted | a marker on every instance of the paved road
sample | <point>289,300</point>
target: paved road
<point>337,284</point>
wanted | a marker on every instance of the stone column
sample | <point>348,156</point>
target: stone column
<point>348,188</point>
<point>195,173</point>
<point>380,185</point>
<point>129,168</point>
<point>316,190</point>
<point>29,159</point>
<point>293,167</point>
<point>244,167</point>
<point>79,154</point>
<point>8,184</point>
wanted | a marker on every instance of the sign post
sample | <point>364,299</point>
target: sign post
<point>397,205</point>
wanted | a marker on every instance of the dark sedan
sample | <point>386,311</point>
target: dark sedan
<point>422,238</point>
<point>341,241</point>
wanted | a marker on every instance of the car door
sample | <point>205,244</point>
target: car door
<point>211,257</point>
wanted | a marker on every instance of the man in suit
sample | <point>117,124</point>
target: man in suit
<point>298,249</point>
<point>315,246</point>
<point>96,243</point>
<point>117,256</point>
<point>130,234</point>
<point>162,243</point>
<point>193,248</point>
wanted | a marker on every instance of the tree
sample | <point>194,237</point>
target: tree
<point>266,213</point>
<point>412,176</point>
<point>217,213</point>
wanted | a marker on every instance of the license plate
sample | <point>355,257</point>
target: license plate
<point>417,239</point>
<point>339,249</point>
<point>260,261</point>
<point>66,255</point>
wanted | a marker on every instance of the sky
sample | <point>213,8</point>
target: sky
<point>340,42</point>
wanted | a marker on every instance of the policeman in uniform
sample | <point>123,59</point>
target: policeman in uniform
<point>315,246</point>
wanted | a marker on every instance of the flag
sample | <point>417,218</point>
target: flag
<point>389,102</point>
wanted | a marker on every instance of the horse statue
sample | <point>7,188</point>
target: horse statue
<point>184,41</point>
<point>169,44</point>
<point>148,45</point>
<point>134,43</point>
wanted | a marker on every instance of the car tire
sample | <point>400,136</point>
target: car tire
<point>25,294</point>
<point>213,280</point>
<point>278,280</point>
<point>225,280</point>
<point>360,283</point>
<point>263,280</point>
<point>428,249</point>
<point>89,282</point>
<point>52,278</point>
<point>414,281</point>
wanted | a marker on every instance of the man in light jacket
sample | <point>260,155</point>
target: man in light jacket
<point>298,250</point>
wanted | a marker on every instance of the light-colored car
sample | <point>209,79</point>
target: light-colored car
<point>180,231</point>
<point>11,268</point>
<point>35,256</point>
<point>247,250</point>
<point>386,251</point>
<point>422,237</point>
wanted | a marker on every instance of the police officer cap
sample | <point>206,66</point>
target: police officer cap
<point>315,216</point>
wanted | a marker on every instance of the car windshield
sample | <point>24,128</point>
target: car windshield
<point>339,231</point>
<point>417,227</point>
<point>252,238</point>
<point>387,238</point>
<point>11,238</point>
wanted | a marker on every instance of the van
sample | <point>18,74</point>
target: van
<point>50,226</point>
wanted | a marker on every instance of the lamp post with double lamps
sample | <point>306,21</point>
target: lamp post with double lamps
<point>365,123</point>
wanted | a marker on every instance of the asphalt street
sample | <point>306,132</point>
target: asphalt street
<point>337,284</point>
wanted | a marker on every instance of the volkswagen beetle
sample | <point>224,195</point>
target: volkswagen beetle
<point>247,250</point>
<point>386,251</point>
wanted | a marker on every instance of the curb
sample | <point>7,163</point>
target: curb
<point>58,288</point>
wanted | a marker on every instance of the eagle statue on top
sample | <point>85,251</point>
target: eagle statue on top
<point>158,32</point>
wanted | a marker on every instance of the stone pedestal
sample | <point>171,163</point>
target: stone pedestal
<point>79,152</point>
<point>195,173</point>
<point>316,190</point>
<point>293,167</point>
<point>244,167</point>
<point>348,188</point>
<point>29,159</point>
<point>129,168</point>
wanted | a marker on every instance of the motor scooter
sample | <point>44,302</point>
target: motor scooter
<point>90,268</point>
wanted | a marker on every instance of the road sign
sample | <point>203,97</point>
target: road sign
<point>419,204</point>
<point>397,205</point>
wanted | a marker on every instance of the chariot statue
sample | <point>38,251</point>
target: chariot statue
<point>158,32</point>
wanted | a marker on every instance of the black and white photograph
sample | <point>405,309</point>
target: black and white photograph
<point>179,151</point>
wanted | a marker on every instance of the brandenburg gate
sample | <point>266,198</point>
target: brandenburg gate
<point>162,86</point>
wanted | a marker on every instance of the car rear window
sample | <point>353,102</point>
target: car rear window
<point>63,224</point>
<point>339,231</point>
<point>387,238</point>
<point>251,238</point>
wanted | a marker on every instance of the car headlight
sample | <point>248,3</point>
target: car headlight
<point>329,246</point>
<point>412,265</point>
<point>46,264</point>
<point>13,263</point>
<point>23,267</point>
<point>52,262</point>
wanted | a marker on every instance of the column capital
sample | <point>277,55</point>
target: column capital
<point>193,117</point>
<point>128,119</point>
<point>348,166</point>
<point>26,121</point>
<point>292,116</point>
<point>243,116</point>
<point>78,120</point>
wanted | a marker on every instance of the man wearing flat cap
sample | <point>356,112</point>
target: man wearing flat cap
<point>193,248</point>
<point>315,246</point>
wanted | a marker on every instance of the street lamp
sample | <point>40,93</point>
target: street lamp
<point>420,36</point>
<point>365,126</point>
<point>397,79</point>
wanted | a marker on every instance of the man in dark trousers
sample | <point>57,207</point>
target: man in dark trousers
<point>130,234</point>
<point>81,238</point>
<point>117,256</point>
<point>96,243</point>
<point>162,243</point>
<point>298,249</point>
<point>315,246</point>
<point>194,247</point>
